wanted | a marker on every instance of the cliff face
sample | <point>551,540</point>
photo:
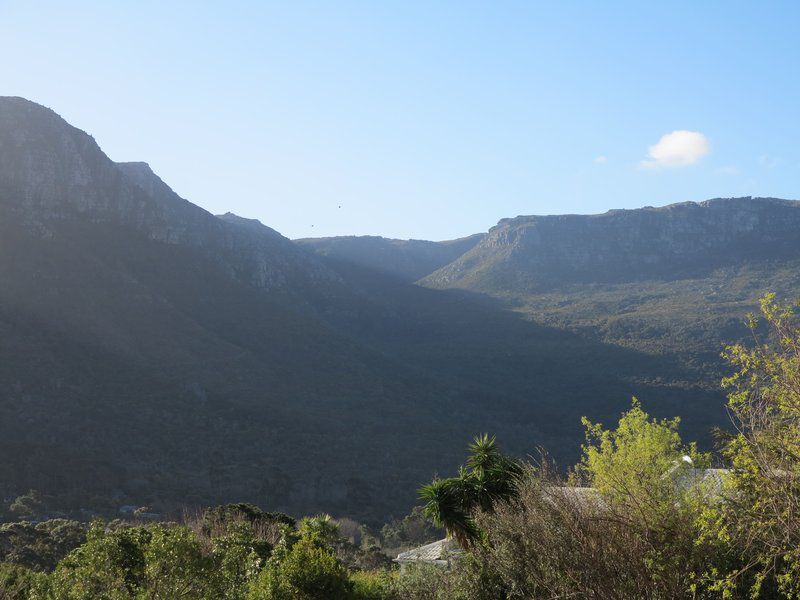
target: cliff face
<point>675,241</point>
<point>51,173</point>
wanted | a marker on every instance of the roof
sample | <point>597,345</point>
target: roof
<point>440,552</point>
<point>708,481</point>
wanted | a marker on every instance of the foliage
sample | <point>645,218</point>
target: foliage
<point>109,566</point>
<point>373,585</point>
<point>175,567</point>
<point>304,569</point>
<point>467,579</point>
<point>488,477</point>
<point>557,541</point>
<point>415,529</point>
<point>242,511</point>
<point>28,505</point>
<point>238,555</point>
<point>16,582</point>
<point>424,582</point>
<point>629,463</point>
<point>634,534</point>
<point>40,546</point>
<point>157,562</point>
<point>761,517</point>
<point>321,529</point>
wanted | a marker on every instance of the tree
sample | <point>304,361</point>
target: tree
<point>322,529</point>
<point>238,556</point>
<point>488,477</point>
<point>109,566</point>
<point>630,464</point>
<point>158,562</point>
<point>762,516</point>
<point>16,582</point>
<point>302,569</point>
<point>414,529</point>
<point>42,545</point>
<point>634,534</point>
<point>28,505</point>
<point>175,567</point>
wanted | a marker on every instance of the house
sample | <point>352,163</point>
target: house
<point>709,482</point>
<point>441,553</point>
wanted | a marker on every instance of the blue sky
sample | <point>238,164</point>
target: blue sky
<point>423,119</point>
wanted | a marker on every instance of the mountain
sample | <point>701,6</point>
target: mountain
<point>408,260</point>
<point>671,281</point>
<point>152,353</point>
<point>673,242</point>
<point>53,171</point>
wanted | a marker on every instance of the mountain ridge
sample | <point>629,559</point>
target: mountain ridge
<point>33,140</point>
<point>543,252</point>
<point>153,353</point>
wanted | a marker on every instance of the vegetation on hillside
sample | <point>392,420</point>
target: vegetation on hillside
<point>154,354</point>
<point>640,516</point>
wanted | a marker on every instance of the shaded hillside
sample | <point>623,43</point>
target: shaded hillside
<point>152,353</point>
<point>676,280</point>
<point>408,260</point>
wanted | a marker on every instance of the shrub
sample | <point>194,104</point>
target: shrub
<point>16,582</point>
<point>159,562</point>
<point>374,585</point>
<point>306,571</point>
<point>760,518</point>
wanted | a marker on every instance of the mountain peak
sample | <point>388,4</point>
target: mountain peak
<point>52,172</point>
<point>23,105</point>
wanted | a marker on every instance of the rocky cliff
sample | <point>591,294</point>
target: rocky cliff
<point>52,172</point>
<point>672,242</point>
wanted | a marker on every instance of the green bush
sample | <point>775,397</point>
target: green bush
<point>40,546</point>
<point>374,585</point>
<point>306,571</point>
<point>159,562</point>
<point>16,582</point>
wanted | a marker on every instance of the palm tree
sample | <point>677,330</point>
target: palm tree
<point>494,475</point>
<point>488,477</point>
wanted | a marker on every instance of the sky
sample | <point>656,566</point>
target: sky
<point>427,120</point>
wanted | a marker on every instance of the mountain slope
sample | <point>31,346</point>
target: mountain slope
<point>408,260</point>
<point>672,281</point>
<point>155,352</point>
<point>152,353</point>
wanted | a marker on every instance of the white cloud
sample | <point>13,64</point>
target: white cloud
<point>677,149</point>
<point>601,160</point>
